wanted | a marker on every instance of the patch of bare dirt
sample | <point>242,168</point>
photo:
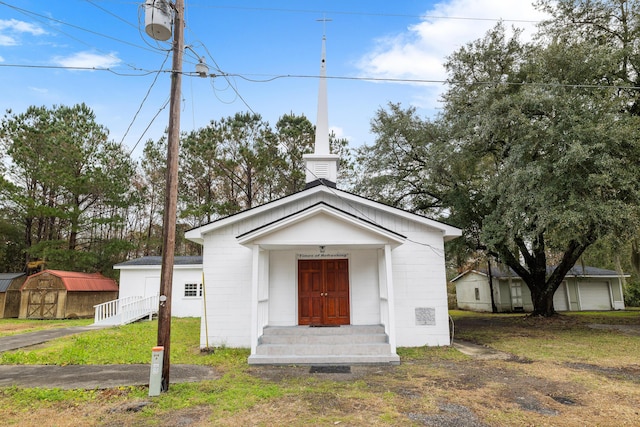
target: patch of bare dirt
<point>449,415</point>
<point>190,417</point>
<point>626,329</point>
<point>452,393</point>
<point>283,373</point>
<point>13,327</point>
<point>626,373</point>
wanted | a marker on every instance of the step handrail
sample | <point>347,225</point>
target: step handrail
<point>125,310</point>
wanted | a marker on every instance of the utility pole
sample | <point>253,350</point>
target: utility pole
<point>171,194</point>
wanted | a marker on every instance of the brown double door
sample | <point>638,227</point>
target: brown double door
<point>323,292</point>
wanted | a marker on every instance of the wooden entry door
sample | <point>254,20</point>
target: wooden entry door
<point>323,292</point>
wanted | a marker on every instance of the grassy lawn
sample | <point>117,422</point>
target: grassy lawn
<point>562,373</point>
<point>566,338</point>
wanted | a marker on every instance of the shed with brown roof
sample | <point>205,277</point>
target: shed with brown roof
<point>54,294</point>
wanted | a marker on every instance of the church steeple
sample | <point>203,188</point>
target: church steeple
<point>322,166</point>
<point>322,119</point>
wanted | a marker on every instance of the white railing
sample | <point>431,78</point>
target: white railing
<point>125,310</point>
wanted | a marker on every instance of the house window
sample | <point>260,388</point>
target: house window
<point>477,294</point>
<point>193,289</point>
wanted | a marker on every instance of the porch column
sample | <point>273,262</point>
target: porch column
<point>255,277</point>
<point>390,297</point>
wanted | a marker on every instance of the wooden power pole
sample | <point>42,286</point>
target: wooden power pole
<point>171,194</point>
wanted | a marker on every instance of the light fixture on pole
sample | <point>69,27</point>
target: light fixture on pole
<point>201,67</point>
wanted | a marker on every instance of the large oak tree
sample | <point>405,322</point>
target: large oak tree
<point>535,154</point>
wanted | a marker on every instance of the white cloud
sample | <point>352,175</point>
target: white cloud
<point>1,59</point>
<point>7,40</point>
<point>87,60</point>
<point>419,52</point>
<point>21,27</point>
<point>39,90</point>
<point>12,27</point>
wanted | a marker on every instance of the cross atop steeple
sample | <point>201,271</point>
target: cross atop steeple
<point>322,166</point>
<point>324,21</point>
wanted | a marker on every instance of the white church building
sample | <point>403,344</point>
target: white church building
<point>324,276</point>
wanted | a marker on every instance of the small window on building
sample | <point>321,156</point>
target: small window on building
<point>193,289</point>
<point>477,294</point>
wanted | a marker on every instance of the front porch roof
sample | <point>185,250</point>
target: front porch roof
<point>448,232</point>
<point>311,226</point>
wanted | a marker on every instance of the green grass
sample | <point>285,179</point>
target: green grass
<point>29,397</point>
<point>563,338</point>
<point>126,344</point>
<point>238,392</point>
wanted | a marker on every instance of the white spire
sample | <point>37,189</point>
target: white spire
<point>322,165</point>
<point>322,119</point>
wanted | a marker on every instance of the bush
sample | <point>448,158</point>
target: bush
<point>632,294</point>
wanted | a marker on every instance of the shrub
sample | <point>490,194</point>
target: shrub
<point>632,294</point>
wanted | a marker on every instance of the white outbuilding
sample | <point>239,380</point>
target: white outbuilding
<point>140,279</point>
<point>583,289</point>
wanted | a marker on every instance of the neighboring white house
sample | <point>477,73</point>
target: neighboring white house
<point>140,277</point>
<point>584,288</point>
<point>323,275</point>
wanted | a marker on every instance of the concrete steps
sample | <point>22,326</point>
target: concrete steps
<point>305,345</point>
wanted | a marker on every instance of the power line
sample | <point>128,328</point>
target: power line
<point>353,13</point>
<point>155,79</point>
<point>149,125</point>
<point>112,14</point>
<point>48,18</point>
<point>226,77</point>
<point>71,68</point>
<point>271,78</point>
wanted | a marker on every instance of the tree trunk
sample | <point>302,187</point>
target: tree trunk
<point>28,223</point>
<point>542,300</point>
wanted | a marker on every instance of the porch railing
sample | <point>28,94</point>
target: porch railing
<point>125,310</point>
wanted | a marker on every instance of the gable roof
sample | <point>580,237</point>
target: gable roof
<point>315,211</point>
<point>503,272</point>
<point>449,232</point>
<point>80,282</point>
<point>146,261</point>
<point>7,278</point>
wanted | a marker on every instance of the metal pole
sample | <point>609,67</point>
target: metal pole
<point>494,309</point>
<point>171,194</point>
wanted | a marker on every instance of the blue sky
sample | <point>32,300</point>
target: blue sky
<point>261,43</point>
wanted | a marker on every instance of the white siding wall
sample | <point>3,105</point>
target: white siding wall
<point>419,280</point>
<point>466,296</point>
<point>418,275</point>
<point>283,289</point>
<point>146,282</point>
<point>365,291</point>
<point>227,269</point>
